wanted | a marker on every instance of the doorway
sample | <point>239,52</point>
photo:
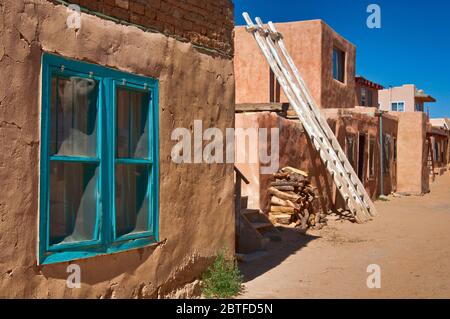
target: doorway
<point>361,157</point>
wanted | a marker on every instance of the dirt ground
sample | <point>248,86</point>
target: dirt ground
<point>409,240</point>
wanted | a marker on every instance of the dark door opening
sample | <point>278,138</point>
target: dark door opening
<point>275,88</point>
<point>361,157</point>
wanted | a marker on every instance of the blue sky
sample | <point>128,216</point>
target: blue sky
<point>412,46</point>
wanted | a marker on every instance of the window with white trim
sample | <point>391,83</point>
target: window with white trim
<point>398,106</point>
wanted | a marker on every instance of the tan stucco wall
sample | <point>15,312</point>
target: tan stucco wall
<point>251,69</point>
<point>196,201</point>
<point>413,174</point>
<point>334,93</point>
<point>405,93</point>
<point>310,44</point>
<point>250,169</point>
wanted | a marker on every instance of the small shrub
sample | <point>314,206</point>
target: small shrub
<point>223,279</point>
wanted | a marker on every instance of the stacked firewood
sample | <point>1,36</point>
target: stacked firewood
<point>292,198</point>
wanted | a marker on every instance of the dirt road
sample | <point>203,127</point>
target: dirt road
<point>409,240</point>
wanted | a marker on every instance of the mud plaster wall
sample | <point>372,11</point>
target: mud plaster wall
<point>336,94</point>
<point>413,174</point>
<point>250,169</point>
<point>297,151</point>
<point>193,85</point>
<point>207,23</point>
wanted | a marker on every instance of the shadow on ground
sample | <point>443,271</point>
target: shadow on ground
<point>291,242</point>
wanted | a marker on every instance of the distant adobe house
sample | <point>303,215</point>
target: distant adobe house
<point>406,98</point>
<point>408,104</point>
<point>86,116</point>
<point>367,92</point>
<point>439,135</point>
<point>326,61</point>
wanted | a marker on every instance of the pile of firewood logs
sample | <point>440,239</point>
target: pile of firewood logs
<point>292,198</point>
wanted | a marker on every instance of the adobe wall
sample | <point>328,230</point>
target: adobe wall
<point>250,169</point>
<point>310,44</point>
<point>253,72</point>
<point>201,22</point>
<point>335,94</point>
<point>413,174</point>
<point>196,216</point>
<point>297,151</point>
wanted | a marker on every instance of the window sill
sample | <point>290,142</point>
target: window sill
<point>340,83</point>
<point>60,257</point>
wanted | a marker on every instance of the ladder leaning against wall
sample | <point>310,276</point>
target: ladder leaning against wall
<point>322,137</point>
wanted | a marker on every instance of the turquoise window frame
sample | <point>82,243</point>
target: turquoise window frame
<point>105,241</point>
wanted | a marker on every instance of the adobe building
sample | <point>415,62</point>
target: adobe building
<point>408,104</point>
<point>326,61</point>
<point>439,138</point>
<point>366,92</point>
<point>405,98</point>
<point>86,115</point>
<point>412,153</point>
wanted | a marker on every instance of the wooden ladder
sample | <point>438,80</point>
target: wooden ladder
<point>322,137</point>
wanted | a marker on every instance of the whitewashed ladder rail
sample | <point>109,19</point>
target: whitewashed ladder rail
<point>329,158</point>
<point>321,141</point>
<point>335,164</point>
<point>323,123</point>
<point>338,155</point>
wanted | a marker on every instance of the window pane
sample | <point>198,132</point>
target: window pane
<point>132,204</point>
<point>74,117</point>
<point>132,124</point>
<point>338,65</point>
<point>73,202</point>
<point>335,64</point>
